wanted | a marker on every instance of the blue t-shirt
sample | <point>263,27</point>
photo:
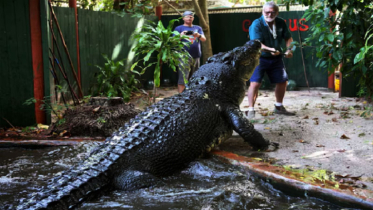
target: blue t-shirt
<point>260,30</point>
<point>195,48</point>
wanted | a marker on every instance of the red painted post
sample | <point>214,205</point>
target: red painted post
<point>331,76</point>
<point>37,58</point>
<point>72,4</point>
<point>331,81</point>
<point>158,11</point>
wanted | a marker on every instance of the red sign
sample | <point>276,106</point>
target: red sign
<point>294,24</point>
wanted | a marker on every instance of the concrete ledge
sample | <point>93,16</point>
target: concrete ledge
<point>343,195</point>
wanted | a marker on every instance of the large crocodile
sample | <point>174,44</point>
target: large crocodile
<point>165,137</point>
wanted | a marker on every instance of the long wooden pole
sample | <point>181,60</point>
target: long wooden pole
<point>54,74</point>
<point>72,4</point>
<point>304,65</point>
<point>61,63</point>
<point>65,47</point>
<point>73,95</point>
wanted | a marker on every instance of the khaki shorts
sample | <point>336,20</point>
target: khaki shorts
<point>184,72</point>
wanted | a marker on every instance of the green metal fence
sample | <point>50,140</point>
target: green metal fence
<point>99,33</point>
<point>16,75</point>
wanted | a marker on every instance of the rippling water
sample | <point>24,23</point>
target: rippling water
<point>208,184</point>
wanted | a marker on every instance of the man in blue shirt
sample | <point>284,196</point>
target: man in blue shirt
<point>270,30</point>
<point>194,50</point>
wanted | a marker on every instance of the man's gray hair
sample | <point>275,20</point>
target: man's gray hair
<point>271,4</point>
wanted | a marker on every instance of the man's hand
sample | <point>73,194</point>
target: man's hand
<point>288,54</point>
<point>196,35</point>
<point>183,33</point>
<point>275,52</point>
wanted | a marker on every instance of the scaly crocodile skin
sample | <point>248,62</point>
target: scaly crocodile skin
<point>165,137</point>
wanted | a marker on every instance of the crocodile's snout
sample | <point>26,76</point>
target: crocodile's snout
<point>254,44</point>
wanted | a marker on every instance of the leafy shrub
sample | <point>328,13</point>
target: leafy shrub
<point>115,80</point>
<point>342,34</point>
<point>165,43</point>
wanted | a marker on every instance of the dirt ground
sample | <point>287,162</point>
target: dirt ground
<point>327,133</point>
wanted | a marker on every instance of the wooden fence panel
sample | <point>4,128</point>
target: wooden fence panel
<point>16,74</point>
<point>103,33</point>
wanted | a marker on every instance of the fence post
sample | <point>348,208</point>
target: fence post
<point>37,58</point>
<point>72,4</point>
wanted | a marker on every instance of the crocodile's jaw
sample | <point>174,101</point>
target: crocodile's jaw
<point>248,65</point>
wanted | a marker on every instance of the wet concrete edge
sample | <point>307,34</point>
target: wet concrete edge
<point>278,177</point>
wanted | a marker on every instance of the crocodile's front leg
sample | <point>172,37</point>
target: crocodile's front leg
<point>246,129</point>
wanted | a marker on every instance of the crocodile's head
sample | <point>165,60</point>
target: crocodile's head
<point>225,74</point>
<point>247,58</point>
<point>244,59</point>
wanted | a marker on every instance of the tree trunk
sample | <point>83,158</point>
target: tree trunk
<point>201,11</point>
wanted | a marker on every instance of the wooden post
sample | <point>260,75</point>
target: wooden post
<point>37,59</point>
<point>72,4</point>
<point>331,81</point>
<point>331,76</point>
<point>158,11</point>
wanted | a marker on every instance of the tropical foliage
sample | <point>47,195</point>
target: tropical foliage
<point>136,7</point>
<point>163,43</point>
<point>115,80</point>
<point>341,33</point>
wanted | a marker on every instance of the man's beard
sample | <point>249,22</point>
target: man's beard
<point>269,19</point>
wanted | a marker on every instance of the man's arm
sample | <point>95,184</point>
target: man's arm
<point>289,52</point>
<point>200,35</point>
<point>272,50</point>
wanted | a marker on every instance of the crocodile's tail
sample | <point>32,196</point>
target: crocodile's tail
<point>69,189</point>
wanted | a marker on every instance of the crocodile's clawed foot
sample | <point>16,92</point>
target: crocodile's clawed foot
<point>273,146</point>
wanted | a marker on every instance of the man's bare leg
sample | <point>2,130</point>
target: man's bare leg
<point>280,91</point>
<point>252,93</point>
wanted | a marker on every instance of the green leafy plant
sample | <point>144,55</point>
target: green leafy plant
<point>165,43</point>
<point>368,112</point>
<point>60,121</point>
<point>115,80</point>
<point>137,8</point>
<point>28,129</point>
<point>55,108</point>
<point>341,31</point>
<point>101,120</point>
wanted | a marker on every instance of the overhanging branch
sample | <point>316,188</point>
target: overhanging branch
<point>198,11</point>
<point>168,3</point>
